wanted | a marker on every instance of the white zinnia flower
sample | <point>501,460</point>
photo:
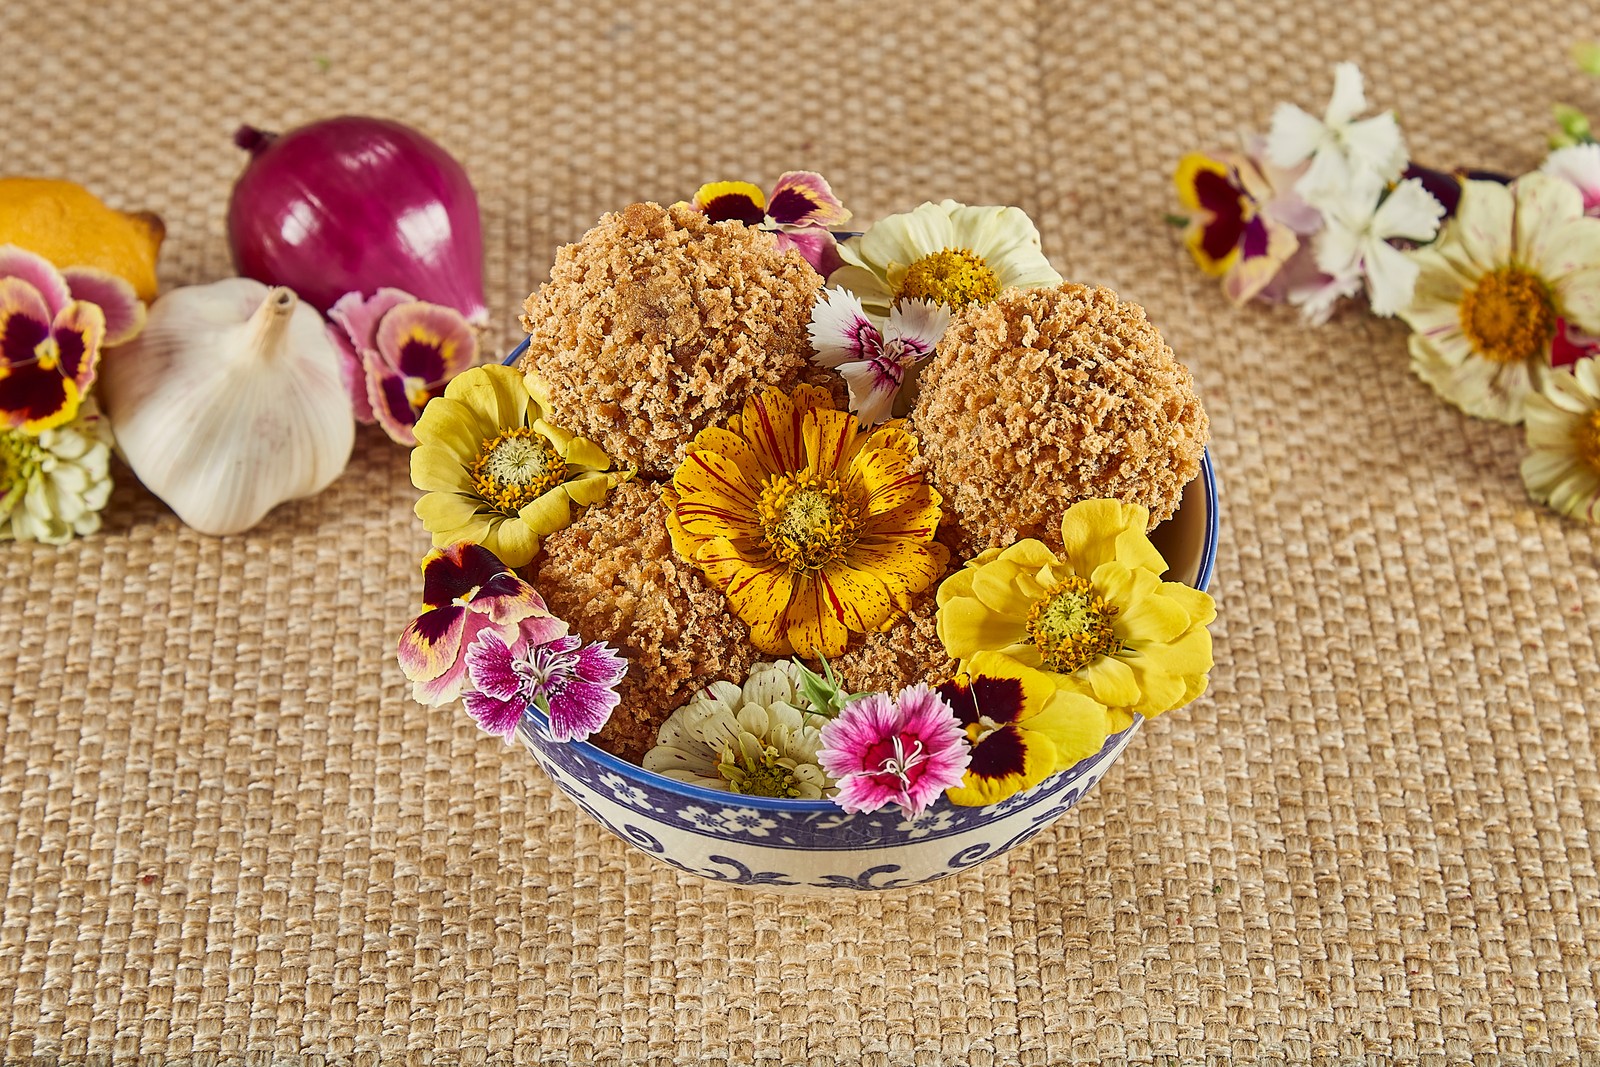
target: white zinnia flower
<point>53,486</point>
<point>760,739</point>
<point>1342,148</point>
<point>947,253</point>
<point>1562,467</point>
<point>1358,226</point>
<point>1578,165</point>
<point>1513,264</point>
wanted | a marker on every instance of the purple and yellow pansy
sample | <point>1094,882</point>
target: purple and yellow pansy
<point>467,590</point>
<point>799,212</point>
<point>1229,231</point>
<point>52,327</point>
<point>1021,725</point>
<point>398,353</point>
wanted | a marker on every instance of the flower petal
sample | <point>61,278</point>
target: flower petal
<point>47,282</point>
<point>491,669</point>
<point>427,341</point>
<point>580,709</point>
<point>804,198</point>
<point>731,201</point>
<point>494,715</point>
<point>1099,531</point>
<point>840,330</point>
<point>124,311</point>
<point>358,318</point>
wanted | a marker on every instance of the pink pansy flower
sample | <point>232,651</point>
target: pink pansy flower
<point>573,683</point>
<point>52,327</point>
<point>905,750</point>
<point>800,211</point>
<point>874,363</point>
<point>1578,165</point>
<point>467,591</point>
<point>398,353</point>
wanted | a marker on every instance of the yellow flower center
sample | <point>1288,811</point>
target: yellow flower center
<point>1071,626</point>
<point>417,394</point>
<point>19,457</point>
<point>1587,445</point>
<point>954,276</point>
<point>807,519</point>
<point>758,776</point>
<point>1508,317</point>
<point>48,353</point>
<point>517,468</point>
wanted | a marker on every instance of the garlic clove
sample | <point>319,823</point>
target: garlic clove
<point>230,402</point>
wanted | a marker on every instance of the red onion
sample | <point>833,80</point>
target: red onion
<point>356,204</point>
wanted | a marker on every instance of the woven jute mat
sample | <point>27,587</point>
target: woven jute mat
<point>228,836</point>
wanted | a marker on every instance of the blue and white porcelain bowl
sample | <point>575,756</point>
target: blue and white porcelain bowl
<point>796,846</point>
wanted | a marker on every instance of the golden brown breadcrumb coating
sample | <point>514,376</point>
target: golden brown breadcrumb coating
<point>908,652</point>
<point>614,577</point>
<point>658,323</point>
<point>1050,396</point>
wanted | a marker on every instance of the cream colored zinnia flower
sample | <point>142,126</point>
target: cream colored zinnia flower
<point>1514,261</point>
<point>53,486</point>
<point>759,739</point>
<point>1562,467</point>
<point>948,253</point>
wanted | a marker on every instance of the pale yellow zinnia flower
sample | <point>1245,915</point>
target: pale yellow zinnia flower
<point>495,472</point>
<point>948,253</point>
<point>1513,261</point>
<point>1562,467</point>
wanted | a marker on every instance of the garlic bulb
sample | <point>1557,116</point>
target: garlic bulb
<point>229,403</point>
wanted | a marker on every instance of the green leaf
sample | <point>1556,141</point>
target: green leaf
<point>1176,221</point>
<point>1586,54</point>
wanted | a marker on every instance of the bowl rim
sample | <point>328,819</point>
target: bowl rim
<point>635,774</point>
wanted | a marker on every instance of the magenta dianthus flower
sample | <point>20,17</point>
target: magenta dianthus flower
<point>903,750</point>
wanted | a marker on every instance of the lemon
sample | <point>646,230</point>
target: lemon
<point>68,225</point>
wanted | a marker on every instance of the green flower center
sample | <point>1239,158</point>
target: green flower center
<point>517,468</point>
<point>1587,444</point>
<point>953,276</point>
<point>807,520</point>
<point>764,775</point>
<point>19,458</point>
<point>1508,317</point>
<point>1071,626</point>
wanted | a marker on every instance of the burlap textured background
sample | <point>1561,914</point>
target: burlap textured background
<point>227,836</point>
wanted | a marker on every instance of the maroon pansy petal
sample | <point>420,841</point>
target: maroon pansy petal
<point>390,401</point>
<point>804,198</point>
<point>429,342</point>
<point>79,329</point>
<point>431,642</point>
<point>33,399</point>
<point>1001,753</point>
<point>457,571</point>
<point>1225,203</point>
<point>999,700</point>
<point>732,207</point>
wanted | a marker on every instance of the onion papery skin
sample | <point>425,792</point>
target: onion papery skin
<point>356,204</point>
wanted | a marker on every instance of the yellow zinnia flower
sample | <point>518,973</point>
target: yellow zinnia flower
<point>494,472</point>
<point>811,527</point>
<point>1098,616</point>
